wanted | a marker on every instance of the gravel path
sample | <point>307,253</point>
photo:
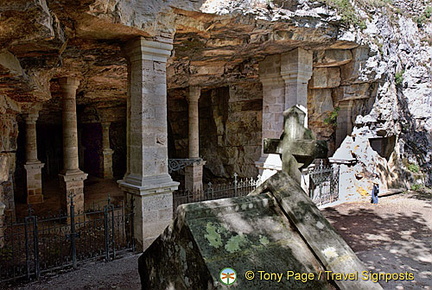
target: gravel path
<point>394,236</point>
<point>117,274</point>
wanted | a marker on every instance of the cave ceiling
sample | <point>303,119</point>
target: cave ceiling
<point>43,41</point>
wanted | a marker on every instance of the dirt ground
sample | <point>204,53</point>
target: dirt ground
<point>394,236</point>
<point>117,274</point>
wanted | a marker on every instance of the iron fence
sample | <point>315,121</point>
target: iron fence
<point>34,246</point>
<point>323,187</point>
<point>238,187</point>
<point>324,184</point>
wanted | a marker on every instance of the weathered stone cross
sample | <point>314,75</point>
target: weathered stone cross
<point>297,144</point>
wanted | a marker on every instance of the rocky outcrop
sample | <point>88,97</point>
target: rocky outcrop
<point>402,62</point>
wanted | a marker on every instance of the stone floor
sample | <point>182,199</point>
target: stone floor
<point>96,191</point>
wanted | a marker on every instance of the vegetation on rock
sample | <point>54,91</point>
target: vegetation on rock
<point>399,77</point>
<point>332,117</point>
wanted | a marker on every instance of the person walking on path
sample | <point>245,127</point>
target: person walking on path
<point>375,191</point>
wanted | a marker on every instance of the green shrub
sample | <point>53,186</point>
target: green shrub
<point>428,12</point>
<point>414,167</point>
<point>425,17</point>
<point>348,12</point>
<point>417,186</point>
<point>332,117</point>
<point>345,10</point>
<point>399,77</point>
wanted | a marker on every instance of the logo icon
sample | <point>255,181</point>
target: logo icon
<point>228,276</point>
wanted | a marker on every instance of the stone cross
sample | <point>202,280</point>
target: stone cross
<point>297,144</point>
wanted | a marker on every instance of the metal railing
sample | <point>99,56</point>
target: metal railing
<point>176,164</point>
<point>323,187</point>
<point>324,184</point>
<point>238,187</point>
<point>34,246</point>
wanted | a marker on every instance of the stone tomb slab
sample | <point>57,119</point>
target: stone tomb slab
<point>244,233</point>
<point>273,233</point>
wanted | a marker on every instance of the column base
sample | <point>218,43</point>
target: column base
<point>152,205</point>
<point>268,165</point>
<point>194,177</point>
<point>72,184</point>
<point>34,182</point>
<point>107,163</point>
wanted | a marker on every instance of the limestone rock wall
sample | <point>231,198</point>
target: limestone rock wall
<point>388,82</point>
<point>401,60</point>
<point>8,147</point>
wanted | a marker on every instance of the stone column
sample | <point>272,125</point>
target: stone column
<point>194,172</point>
<point>147,183</point>
<point>193,97</point>
<point>107,151</point>
<point>296,71</point>
<point>33,166</point>
<point>344,124</point>
<point>71,177</point>
<point>285,79</point>
<point>272,113</point>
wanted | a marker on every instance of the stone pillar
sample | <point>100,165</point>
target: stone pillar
<point>272,113</point>
<point>71,177</point>
<point>344,124</point>
<point>296,71</point>
<point>33,166</point>
<point>193,97</point>
<point>147,183</point>
<point>194,172</point>
<point>107,151</point>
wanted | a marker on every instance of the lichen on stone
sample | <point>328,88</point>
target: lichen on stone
<point>213,236</point>
<point>235,243</point>
<point>264,240</point>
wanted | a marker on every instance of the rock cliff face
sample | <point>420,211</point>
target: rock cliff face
<point>374,59</point>
<point>402,66</point>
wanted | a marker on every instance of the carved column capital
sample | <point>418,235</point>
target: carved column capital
<point>69,84</point>
<point>194,94</point>
<point>31,118</point>
<point>141,49</point>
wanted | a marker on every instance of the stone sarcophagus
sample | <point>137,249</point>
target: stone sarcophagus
<point>275,238</point>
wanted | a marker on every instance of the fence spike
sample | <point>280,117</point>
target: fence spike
<point>30,210</point>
